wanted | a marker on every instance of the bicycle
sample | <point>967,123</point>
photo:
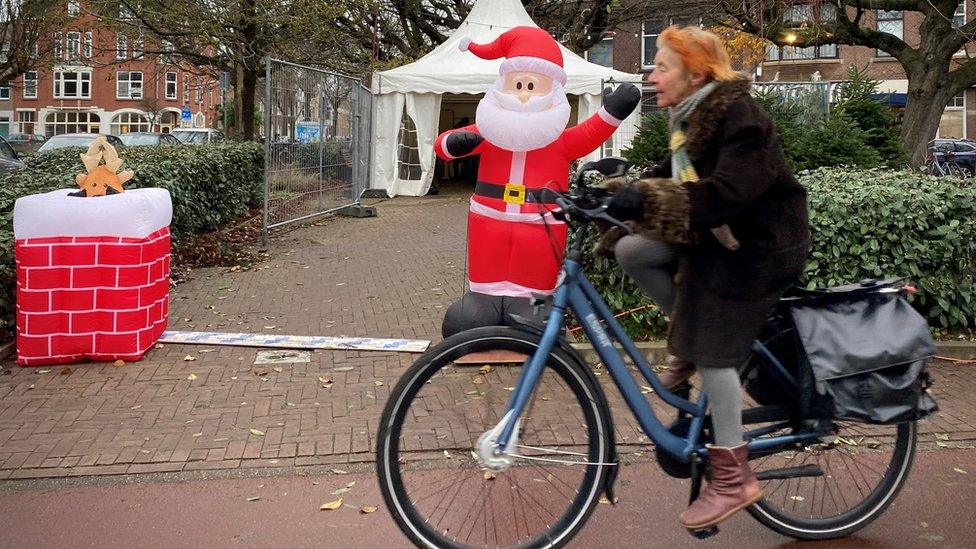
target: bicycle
<point>471,457</point>
<point>944,166</point>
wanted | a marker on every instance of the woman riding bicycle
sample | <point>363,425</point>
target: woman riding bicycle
<point>726,172</point>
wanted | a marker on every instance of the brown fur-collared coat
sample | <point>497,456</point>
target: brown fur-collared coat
<point>723,296</point>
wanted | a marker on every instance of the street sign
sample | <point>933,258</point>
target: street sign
<point>224,80</point>
<point>308,132</point>
<point>186,113</point>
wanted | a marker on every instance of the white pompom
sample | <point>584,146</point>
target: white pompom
<point>463,45</point>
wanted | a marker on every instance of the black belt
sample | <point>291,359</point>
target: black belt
<point>494,190</point>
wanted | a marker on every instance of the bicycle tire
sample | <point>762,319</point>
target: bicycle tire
<point>860,515</point>
<point>390,466</point>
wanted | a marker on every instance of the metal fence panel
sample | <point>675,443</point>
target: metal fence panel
<point>317,139</point>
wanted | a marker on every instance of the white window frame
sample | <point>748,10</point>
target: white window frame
<point>80,81</point>
<point>69,126</point>
<point>890,19</point>
<point>88,44</point>
<point>649,63</point>
<point>124,80</point>
<point>140,124</point>
<point>121,47</point>
<point>4,93</point>
<point>586,54</point>
<point>200,91</point>
<point>73,45</point>
<point>186,89</point>
<point>138,48</point>
<point>74,8</point>
<point>58,45</point>
<point>21,121</point>
<point>175,83</point>
<point>27,87</point>
<point>958,23</point>
<point>952,107</point>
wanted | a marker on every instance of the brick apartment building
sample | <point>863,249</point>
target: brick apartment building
<point>101,80</point>
<point>632,47</point>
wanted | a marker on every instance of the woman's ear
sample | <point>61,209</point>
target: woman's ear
<point>698,79</point>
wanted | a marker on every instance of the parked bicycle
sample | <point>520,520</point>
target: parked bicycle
<point>475,455</point>
<point>941,162</point>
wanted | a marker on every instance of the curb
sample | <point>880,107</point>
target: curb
<point>658,351</point>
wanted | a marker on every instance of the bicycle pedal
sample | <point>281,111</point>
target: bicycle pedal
<point>704,533</point>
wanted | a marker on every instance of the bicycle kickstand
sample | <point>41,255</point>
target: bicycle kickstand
<point>697,472</point>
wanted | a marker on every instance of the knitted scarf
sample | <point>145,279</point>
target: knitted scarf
<point>682,170</point>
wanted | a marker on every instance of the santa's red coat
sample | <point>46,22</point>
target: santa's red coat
<point>512,250</point>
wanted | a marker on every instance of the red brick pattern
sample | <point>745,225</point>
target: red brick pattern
<point>95,298</point>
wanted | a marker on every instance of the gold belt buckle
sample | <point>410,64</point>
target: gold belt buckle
<point>514,193</point>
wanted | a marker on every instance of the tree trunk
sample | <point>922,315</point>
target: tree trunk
<point>238,99</point>
<point>928,94</point>
<point>248,87</point>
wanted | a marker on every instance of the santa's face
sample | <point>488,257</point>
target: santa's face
<point>523,111</point>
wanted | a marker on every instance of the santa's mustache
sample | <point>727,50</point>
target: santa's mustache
<point>511,102</point>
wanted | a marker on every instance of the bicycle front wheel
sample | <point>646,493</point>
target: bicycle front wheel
<point>435,483</point>
<point>862,467</point>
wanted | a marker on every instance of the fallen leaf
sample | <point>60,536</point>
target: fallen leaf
<point>942,436</point>
<point>489,475</point>
<point>447,454</point>
<point>351,484</point>
<point>278,369</point>
<point>343,369</point>
<point>64,371</point>
<point>136,407</point>
<point>272,327</point>
<point>477,380</point>
<point>332,505</point>
<point>605,500</point>
<point>931,537</point>
<point>189,358</point>
<point>340,491</point>
<point>159,345</point>
<point>197,435</point>
<point>486,369</point>
<point>191,377</point>
<point>960,471</point>
<point>340,472</point>
<point>253,498</point>
<point>119,363</point>
<point>367,509</point>
<point>43,371</point>
<point>378,383</point>
<point>796,498</point>
<point>257,432</point>
<point>31,386</point>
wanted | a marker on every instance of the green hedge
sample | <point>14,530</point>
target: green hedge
<point>210,185</point>
<point>867,223</point>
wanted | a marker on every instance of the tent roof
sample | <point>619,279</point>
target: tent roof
<point>447,69</point>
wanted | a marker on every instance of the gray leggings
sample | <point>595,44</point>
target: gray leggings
<point>650,263</point>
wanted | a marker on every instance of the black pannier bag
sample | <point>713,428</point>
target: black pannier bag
<point>857,352</point>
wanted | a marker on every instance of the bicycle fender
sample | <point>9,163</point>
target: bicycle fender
<point>516,321</point>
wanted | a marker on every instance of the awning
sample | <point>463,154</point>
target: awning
<point>891,99</point>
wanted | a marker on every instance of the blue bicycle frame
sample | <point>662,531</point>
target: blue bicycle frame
<point>579,295</point>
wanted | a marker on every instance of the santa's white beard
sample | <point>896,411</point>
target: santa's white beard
<point>514,126</point>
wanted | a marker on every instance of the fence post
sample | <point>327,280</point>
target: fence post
<point>267,147</point>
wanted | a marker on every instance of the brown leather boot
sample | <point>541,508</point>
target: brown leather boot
<point>678,370</point>
<point>732,486</point>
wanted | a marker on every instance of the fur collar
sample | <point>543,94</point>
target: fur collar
<point>705,120</point>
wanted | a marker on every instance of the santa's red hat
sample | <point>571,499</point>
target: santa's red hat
<point>525,49</point>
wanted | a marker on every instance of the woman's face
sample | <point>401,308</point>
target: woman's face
<point>670,79</point>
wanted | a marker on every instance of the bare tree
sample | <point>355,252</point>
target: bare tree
<point>22,23</point>
<point>938,67</point>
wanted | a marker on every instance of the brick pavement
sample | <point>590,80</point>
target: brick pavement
<point>390,276</point>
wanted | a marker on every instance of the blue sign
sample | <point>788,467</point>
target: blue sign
<point>308,132</point>
<point>185,113</point>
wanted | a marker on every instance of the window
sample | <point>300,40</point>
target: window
<point>601,53</point>
<point>952,124</point>
<point>5,93</point>
<point>186,88</point>
<point>30,85</point>
<point>59,122</point>
<point>74,8</point>
<point>34,50</point>
<point>88,44</point>
<point>130,122</point>
<point>74,45</point>
<point>800,15</point>
<point>25,121</point>
<point>959,18</point>
<point>121,47</point>
<point>72,85</point>
<point>650,30</point>
<point>171,85</point>
<point>137,48</point>
<point>166,57</point>
<point>200,93</point>
<point>890,21</point>
<point>58,45</point>
<point>128,85</point>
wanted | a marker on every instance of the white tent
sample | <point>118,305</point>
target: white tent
<point>417,88</point>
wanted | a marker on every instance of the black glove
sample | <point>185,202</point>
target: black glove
<point>627,204</point>
<point>461,143</point>
<point>622,101</point>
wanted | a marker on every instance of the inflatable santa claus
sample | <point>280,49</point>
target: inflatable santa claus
<point>514,246</point>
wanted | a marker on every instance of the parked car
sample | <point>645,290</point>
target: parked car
<point>25,143</point>
<point>9,159</point>
<point>196,136</point>
<point>962,152</point>
<point>76,140</point>
<point>146,139</point>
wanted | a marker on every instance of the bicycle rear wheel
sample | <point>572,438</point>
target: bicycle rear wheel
<point>863,469</point>
<point>432,477</point>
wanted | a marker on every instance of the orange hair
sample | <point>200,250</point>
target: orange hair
<point>699,50</point>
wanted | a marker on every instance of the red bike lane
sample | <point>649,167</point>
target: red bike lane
<point>935,509</point>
